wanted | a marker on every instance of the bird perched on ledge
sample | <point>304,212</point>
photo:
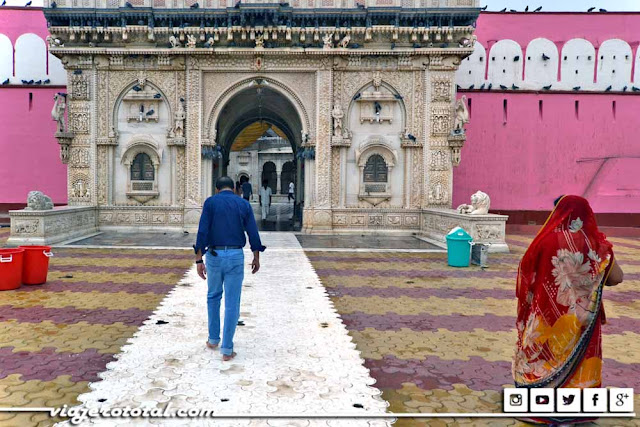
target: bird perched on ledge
<point>6,82</point>
<point>547,87</point>
<point>128,5</point>
<point>503,87</point>
<point>194,6</point>
<point>577,88</point>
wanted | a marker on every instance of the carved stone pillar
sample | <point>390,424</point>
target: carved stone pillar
<point>193,196</point>
<point>440,96</point>
<point>322,199</point>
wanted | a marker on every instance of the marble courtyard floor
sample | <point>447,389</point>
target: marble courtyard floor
<point>434,339</point>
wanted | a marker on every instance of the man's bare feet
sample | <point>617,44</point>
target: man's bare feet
<point>227,357</point>
<point>212,346</point>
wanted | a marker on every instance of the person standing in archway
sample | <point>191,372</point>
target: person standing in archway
<point>247,190</point>
<point>221,236</point>
<point>292,190</point>
<point>265,198</point>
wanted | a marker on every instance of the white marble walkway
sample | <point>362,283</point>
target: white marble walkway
<point>294,354</point>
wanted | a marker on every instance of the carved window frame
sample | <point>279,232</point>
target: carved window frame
<point>149,148</point>
<point>375,146</point>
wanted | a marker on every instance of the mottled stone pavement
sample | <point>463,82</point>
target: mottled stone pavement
<point>439,339</point>
<point>55,338</point>
<point>436,339</point>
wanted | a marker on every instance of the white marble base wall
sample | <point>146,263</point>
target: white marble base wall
<point>51,226</point>
<point>386,220</point>
<point>485,229</point>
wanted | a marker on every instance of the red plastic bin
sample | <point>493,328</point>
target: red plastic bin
<point>36,264</point>
<point>11,268</point>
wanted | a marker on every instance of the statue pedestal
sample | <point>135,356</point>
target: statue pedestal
<point>29,227</point>
<point>64,139</point>
<point>486,229</point>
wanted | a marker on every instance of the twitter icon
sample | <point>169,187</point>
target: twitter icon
<point>568,400</point>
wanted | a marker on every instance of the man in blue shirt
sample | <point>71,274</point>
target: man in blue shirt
<point>247,190</point>
<point>225,218</point>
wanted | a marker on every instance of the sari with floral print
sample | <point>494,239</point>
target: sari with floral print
<point>559,291</point>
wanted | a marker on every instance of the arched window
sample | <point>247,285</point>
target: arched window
<point>376,169</point>
<point>142,168</point>
<point>287,176</point>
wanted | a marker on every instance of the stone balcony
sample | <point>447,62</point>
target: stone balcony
<point>301,4</point>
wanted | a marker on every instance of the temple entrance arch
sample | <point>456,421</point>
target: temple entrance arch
<point>258,125</point>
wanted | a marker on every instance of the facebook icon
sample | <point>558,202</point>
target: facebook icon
<point>594,399</point>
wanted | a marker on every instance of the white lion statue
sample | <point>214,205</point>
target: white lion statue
<point>480,204</point>
<point>37,201</point>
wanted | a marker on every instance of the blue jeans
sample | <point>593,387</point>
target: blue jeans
<point>224,271</point>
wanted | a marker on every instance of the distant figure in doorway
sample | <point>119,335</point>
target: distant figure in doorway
<point>221,236</point>
<point>292,190</point>
<point>247,191</point>
<point>238,188</point>
<point>265,198</point>
<point>560,311</point>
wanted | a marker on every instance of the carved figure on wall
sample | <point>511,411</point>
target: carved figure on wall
<point>59,107</point>
<point>37,201</point>
<point>191,41</point>
<point>377,80</point>
<point>178,126</point>
<point>260,41</point>
<point>174,42</point>
<point>53,42</point>
<point>80,189</point>
<point>337,115</point>
<point>344,43</point>
<point>462,115</point>
<point>480,204</point>
<point>327,40</point>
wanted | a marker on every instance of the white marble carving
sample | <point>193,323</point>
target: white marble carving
<point>480,204</point>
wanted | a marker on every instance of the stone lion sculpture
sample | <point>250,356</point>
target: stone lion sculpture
<point>37,201</point>
<point>480,204</point>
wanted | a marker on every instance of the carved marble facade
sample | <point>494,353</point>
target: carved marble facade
<point>376,92</point>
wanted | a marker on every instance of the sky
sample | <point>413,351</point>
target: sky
<point>563,5</point>
<point>519,5</point>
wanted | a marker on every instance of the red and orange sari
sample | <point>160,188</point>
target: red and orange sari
<point>560,312</point>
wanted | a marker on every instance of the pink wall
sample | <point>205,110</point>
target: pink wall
<point>527,161</point>
<point>15,21</point>
<point>31,159</point>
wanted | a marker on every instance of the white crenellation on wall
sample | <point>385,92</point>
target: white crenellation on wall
<point>472,69</point>
<point>6,59</point>
<point>31,60</point>
<point>541,63</point>
<point>565,66</point>
<point>614,64</point>
<point>505,63</point>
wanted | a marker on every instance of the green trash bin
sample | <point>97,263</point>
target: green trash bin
<point>458,248</point>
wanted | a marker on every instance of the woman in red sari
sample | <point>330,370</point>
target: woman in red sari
<point>560,312</point>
